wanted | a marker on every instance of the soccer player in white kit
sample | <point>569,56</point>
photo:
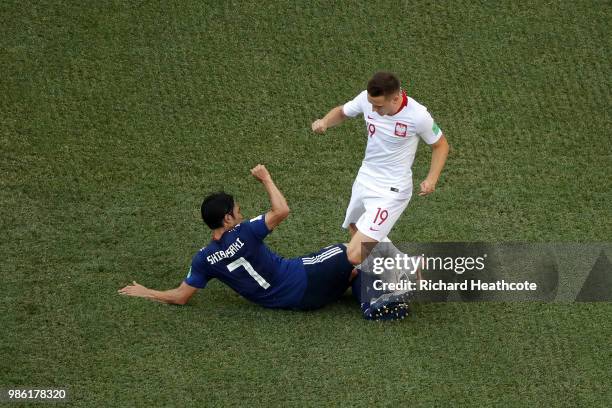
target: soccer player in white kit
<point>394,123</point>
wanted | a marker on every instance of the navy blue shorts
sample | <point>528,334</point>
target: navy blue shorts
<point>328,272</point>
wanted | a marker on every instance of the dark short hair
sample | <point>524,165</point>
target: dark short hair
<point>383,83</point>
<point>215,207</point>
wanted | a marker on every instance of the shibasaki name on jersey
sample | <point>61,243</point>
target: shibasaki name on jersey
<point>228,253</point>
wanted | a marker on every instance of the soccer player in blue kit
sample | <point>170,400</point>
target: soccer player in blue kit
<point>238,257</point>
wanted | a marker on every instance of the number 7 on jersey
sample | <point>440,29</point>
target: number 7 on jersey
<point>249,268</point>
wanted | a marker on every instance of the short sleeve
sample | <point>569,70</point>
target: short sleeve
<point>197,276</point>
<point>427,129</point>
<point>355,107</point>
<point>258,227</point>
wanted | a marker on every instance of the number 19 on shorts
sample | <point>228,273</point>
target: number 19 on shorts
<point>381,215</point>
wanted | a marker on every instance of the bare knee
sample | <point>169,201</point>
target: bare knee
<point>356,251</point>
<point>353,253</point>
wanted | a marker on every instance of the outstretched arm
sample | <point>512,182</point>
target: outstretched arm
<point>280,209</point>
<point>334,117</point>
<point>177,296</point>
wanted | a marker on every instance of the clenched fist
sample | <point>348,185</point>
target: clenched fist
<point>427,187</point>
<point>261,173</point>
<point>319,126</point>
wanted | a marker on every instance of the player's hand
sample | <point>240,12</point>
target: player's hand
<point>135,289</point>
<point>427,187</point>
<point>319,126</point>
<point>261,173</point>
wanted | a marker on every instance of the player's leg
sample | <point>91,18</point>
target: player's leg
<point>359,247</point>
<point>355,212</point>
<point>374,225</point>
<point>328,275</point>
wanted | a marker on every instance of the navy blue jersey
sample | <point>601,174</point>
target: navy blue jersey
<point>241,260</point>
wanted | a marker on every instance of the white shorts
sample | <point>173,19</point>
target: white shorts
<point>373,214</point>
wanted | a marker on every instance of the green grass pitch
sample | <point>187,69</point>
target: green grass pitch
<point>117,117</point>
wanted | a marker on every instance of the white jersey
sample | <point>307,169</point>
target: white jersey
<point>392,144</point>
